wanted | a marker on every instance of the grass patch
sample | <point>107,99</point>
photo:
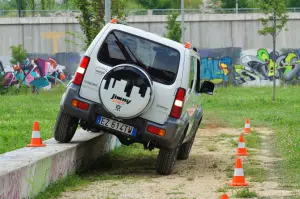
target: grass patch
<point>18,112</point>
<point>233,104</point>
<point>175,193</point>
<point>257,173</point>
<point>69,183</point>
<point>252,140</point>
<point>223,189</point>
<point>211,148</point>
<point>245,193</point>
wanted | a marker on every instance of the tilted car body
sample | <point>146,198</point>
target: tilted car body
<point>140,87</point>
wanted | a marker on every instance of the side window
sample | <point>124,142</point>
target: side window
<point>198,77</point>
<point>192,73</point>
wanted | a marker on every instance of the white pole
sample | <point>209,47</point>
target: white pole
<point>107,11</point>
<point>182,21</point>
<point>237,6</point>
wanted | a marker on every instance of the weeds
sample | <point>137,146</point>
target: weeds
<point>211,148</point>
<point>245,193</point>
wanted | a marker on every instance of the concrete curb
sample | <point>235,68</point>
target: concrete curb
<point>27,171</point>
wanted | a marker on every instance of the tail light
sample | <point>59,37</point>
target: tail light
<point>178,103</point>
<point>156,130</point>
<point>80,104</point>
<point>81,70</point>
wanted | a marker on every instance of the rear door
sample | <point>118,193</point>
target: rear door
<point>161,62</point>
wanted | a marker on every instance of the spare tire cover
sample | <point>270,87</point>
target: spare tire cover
<point>126,91</point>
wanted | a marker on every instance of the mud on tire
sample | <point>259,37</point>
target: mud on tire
<point>65,127</point>
<point>185,148</point>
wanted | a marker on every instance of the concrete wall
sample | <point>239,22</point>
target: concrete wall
<point>224,30</point>
<point>47,35</point>
<point>215,35</point>
<point>27,171</point>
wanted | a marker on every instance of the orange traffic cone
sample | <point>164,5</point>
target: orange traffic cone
<point>242,151</point>
<point>224,196</point>
<point>36,140</point>
<point>247,128</point>
<point>238,178</point>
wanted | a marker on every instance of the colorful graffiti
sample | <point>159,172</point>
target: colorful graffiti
<point>215,69</point>
<point>250,67</point>
<point>37,73</point>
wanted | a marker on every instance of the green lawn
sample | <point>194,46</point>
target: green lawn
<point>18,112</point>
<point>230,106</point>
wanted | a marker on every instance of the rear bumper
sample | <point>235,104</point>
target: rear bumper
<point>174,127</point>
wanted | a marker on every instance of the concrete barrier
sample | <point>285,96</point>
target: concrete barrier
<point>28,171</point>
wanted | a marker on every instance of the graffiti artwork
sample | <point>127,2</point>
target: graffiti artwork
<point>260,68</point>
<point>37,73</point>
<point>215,70</point>
<point>250,67</point>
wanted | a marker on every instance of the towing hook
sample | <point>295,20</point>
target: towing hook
<point>150,145</point>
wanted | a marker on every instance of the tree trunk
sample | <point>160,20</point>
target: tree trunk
<point>274,57</point>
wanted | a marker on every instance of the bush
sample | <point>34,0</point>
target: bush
<point>18,54</point>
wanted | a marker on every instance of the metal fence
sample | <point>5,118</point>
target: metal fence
<point>74,13</point>
<point>39,13</point>
<point>206,10</point>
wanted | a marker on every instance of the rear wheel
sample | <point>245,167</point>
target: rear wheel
<point>166,158</point>
<point>65,127</point>
<point>185,148</point>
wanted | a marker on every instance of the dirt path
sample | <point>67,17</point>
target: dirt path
<point>203,176</point>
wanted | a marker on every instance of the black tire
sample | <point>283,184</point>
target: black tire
<point>167,157</point>
<point>185,148</point>
<point>65,127</point>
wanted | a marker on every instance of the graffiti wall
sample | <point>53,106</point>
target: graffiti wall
<point>236,66</point>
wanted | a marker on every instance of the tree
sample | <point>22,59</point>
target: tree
<point>173,27</point>
<point>91,19</point>
<point>18,54</point>
<point>273,24</point>
<point>43,4</point>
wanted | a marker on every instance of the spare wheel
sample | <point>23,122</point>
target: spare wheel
<point>126,91</point>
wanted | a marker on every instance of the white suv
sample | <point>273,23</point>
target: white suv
<point>140,87</point>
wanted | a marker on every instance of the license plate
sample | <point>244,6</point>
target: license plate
<point>112,124</point>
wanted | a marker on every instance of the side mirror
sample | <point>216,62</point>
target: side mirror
<point>207,87</point>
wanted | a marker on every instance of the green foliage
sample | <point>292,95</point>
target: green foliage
<point>43,4</point>
<point>18,54</point>
<point>31,5</point>
<point>168,4</point>
<point>92,14</point>
<point>157,4</point>
<point>173,27</point>
<point>231,4</point>
<point>293,3</point>
<point>273,9</point>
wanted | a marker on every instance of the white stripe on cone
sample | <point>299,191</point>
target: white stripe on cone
<point>242,145</point>
<point>36,134</point>
<point>238,172</point>
<point>247,125</point>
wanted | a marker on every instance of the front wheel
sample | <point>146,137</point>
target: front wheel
<point>65,127</point>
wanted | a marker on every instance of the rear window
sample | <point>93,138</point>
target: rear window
<point>160,62</point>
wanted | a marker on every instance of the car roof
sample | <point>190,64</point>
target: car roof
<point>149,36</point>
